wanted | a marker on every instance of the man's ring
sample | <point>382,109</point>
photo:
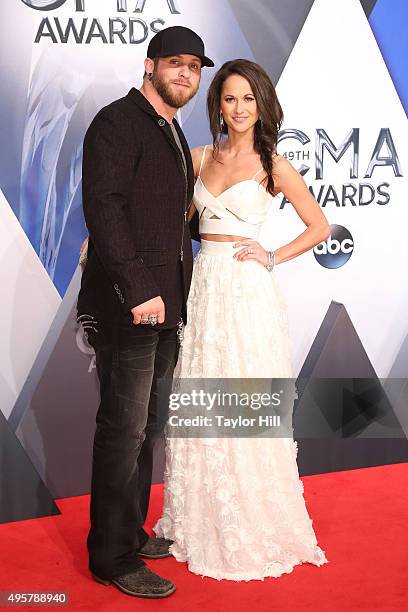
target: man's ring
<point>153,319</point>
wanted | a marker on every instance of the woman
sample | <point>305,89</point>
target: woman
<point>234,507</point>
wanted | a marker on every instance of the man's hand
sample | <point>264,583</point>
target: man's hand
<point>155,306</point>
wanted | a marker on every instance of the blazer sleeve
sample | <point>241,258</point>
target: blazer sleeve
<point>110,157</point>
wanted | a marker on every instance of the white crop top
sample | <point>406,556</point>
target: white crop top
<point>241,209</point>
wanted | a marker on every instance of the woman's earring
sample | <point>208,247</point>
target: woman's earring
<point>261,123</point>
<point>150,75</point>
<point>221,121</point>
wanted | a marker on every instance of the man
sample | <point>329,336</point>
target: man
<point>137,186</point>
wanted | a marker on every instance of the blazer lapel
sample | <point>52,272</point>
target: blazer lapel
<point>139,99</point>
<point>187,155</point>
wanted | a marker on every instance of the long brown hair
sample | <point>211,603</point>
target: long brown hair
<point>270,112</point>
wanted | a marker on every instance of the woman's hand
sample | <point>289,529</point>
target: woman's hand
<point>83,254</point>
<point>252,250</point>
<point>84,247</point>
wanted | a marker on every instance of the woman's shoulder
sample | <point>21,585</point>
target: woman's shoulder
<point>198,151</point>
<point>197,155</point>
<point>284,172</point>
<point>281,164</point>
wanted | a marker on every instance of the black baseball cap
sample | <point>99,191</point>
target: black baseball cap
<point>178,40</point>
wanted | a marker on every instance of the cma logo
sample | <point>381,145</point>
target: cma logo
<point>121,5</point>
<point>336,250</point>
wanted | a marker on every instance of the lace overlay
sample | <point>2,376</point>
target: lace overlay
<point>234,507</point>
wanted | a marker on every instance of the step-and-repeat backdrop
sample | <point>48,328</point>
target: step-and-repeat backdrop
<point>340,68</point>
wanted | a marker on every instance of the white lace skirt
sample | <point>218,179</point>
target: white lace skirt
<point>234,507</point>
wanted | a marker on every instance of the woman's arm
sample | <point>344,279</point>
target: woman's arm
<point>196,155</point>
<point>83,254</point>
<point>191,211</point>
<point>292,185</point>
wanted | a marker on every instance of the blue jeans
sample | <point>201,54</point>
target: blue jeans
<point>130,360</point>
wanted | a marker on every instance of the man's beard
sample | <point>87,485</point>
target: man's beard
<point>173,99</point>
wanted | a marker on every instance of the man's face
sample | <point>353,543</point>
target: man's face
<point>176,78</point>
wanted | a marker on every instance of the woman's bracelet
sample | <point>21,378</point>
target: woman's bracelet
<point>271,261</point>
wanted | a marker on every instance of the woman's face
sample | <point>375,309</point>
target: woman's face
<point>238,104</point>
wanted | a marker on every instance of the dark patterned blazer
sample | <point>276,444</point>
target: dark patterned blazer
<point>135,196</point>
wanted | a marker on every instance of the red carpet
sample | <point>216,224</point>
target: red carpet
<point>360,518</point>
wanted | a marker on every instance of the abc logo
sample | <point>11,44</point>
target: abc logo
<point>44,5</point>
<point>336,250</point>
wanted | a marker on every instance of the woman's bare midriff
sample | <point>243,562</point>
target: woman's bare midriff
<point>221,237</point>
